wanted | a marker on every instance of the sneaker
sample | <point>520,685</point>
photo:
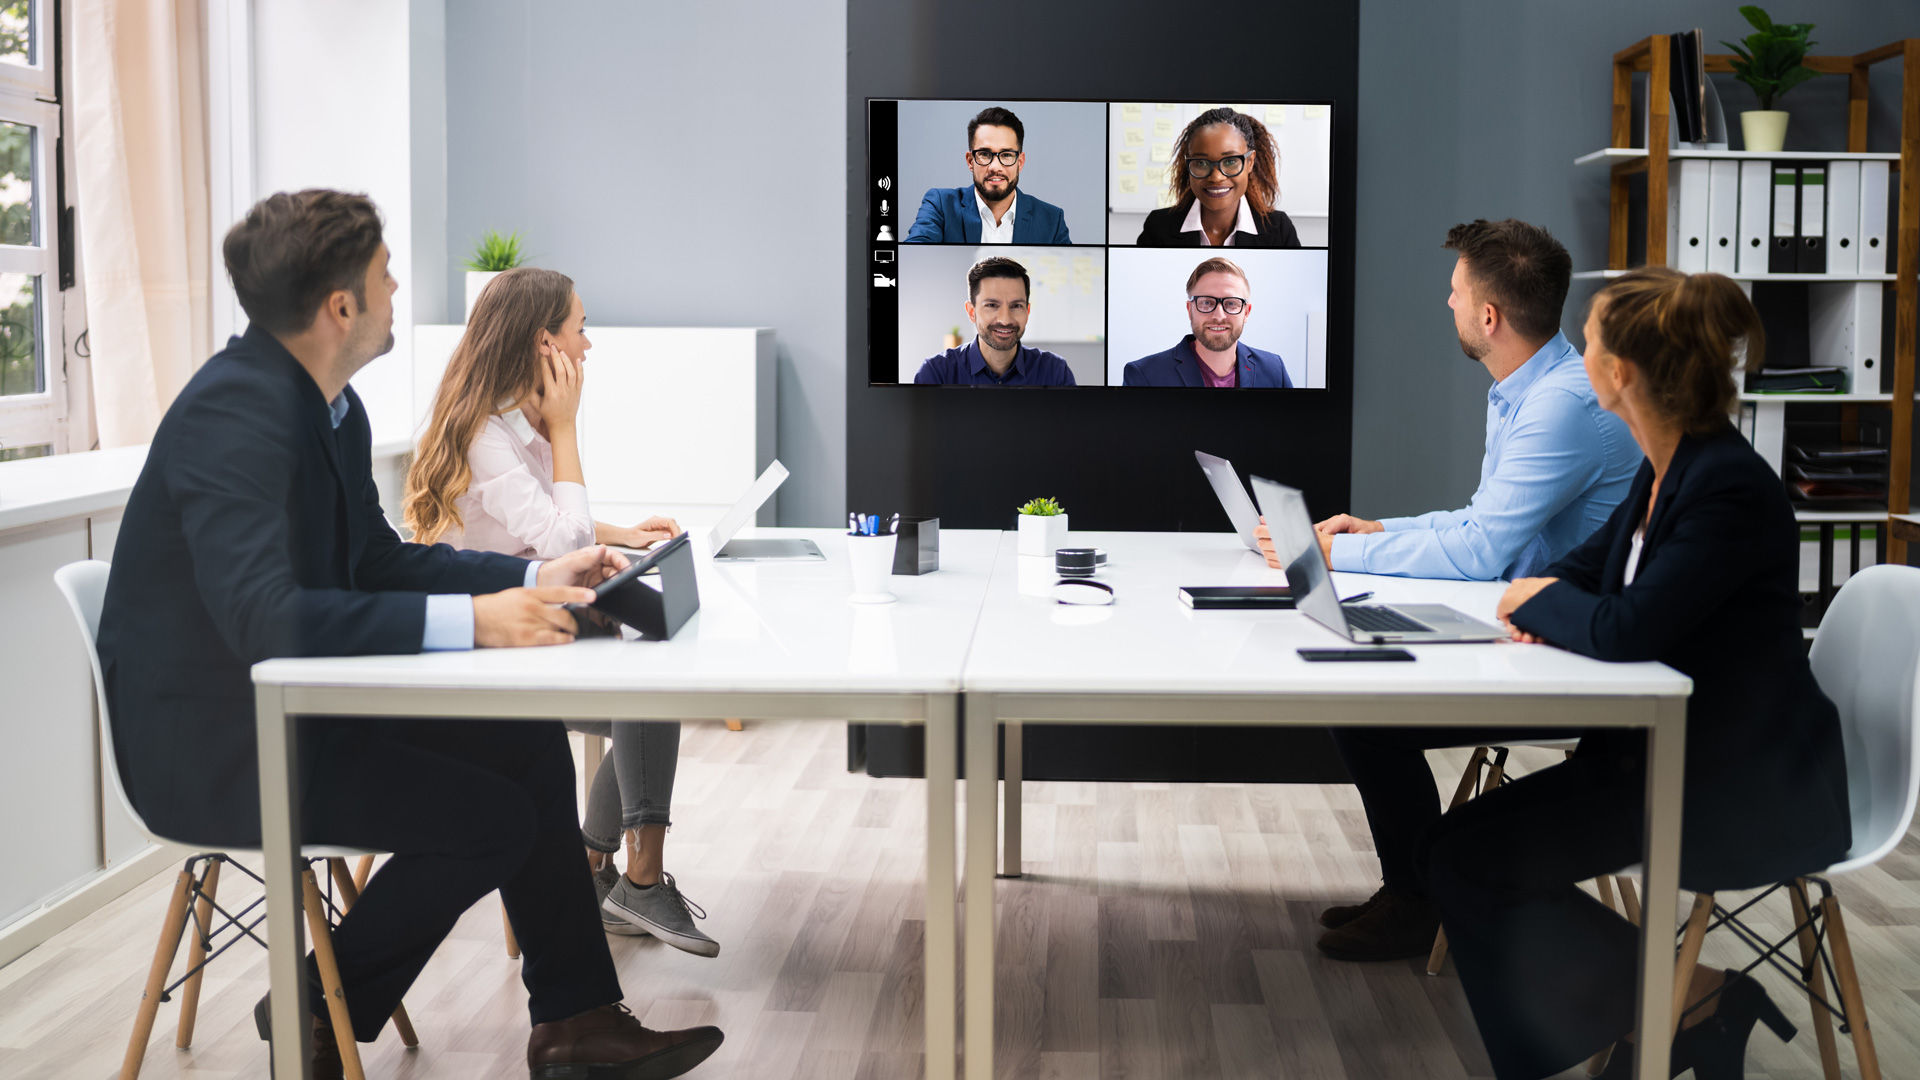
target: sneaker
<point>1336,917</point>
<point>660,910</point>
<point>1399,926</point>
<point>604,879</point>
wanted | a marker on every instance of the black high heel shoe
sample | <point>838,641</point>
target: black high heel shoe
<point>1716,1048</point>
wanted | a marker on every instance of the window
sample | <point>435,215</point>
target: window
<point>33,397</point>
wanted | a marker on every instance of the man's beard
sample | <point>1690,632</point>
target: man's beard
<point>1475,351</point>
<point>1218,340</point>
<point>1013,185</point>
<point>986,338</point>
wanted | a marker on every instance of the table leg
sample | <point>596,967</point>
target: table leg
<point>1010,815</point>
<point>280,847</point>
<point>942,731</point>
<point>1666,772</point>
<point>982,785</point>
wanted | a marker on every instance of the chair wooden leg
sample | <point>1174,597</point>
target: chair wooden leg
<point>735,725</point>
<point>1816,982</point>
<point>1604,885</point>
<point>1597,1064</point>
<point>1856,1005</point>
<point>1631,899</point>
<point>197,955</point>
<point>1689,959</point>
<point>330,977</point>
<point>163,953</point>
<point>506,923</point>
<point>362,872</point>
<point>1438,957</point>
<point>1469,779</point>
<point>349,896</point>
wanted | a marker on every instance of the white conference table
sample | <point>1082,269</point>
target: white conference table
<point>1148,659</point>
<point>771,640</point>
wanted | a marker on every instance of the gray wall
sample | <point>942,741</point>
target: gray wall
<point>1066,149</point>
<point>684,163</point>
<point>1477,108</point>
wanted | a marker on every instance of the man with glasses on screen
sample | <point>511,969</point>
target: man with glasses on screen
<point>997,305</point>
<point>1219,302</point>
<point>992,210</point>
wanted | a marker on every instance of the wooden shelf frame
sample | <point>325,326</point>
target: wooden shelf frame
<point>1652,55</point>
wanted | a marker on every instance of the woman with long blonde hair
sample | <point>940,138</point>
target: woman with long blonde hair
<point>498,469</point>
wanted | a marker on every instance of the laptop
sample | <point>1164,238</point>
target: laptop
<point>768,550</point>
<point>1233,497</point>
<point>1311,583</point>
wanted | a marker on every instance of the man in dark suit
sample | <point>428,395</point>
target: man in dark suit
<point>992,211</point>
<point>260,535</point>
<point>1219,302</point>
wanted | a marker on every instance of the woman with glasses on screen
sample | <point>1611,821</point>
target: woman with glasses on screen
<point>498,469</point>
<point>1225,182</point>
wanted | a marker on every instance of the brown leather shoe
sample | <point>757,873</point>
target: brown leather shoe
<point>608,1043</point>
<point>1336,917</point>
<point>1399,926</point>
<point>326,1063</point>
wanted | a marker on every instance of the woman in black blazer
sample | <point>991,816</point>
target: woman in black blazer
<point>1225,182</point>
<point>1707,583</point>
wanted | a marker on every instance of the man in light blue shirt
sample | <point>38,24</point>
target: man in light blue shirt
<point>1556,465</point>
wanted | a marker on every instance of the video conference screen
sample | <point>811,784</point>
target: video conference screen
<point>1021,244</point>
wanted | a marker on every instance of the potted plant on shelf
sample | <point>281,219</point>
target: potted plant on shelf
<point>1770,64</point>
<point>953,338</point>
<point>1043,527</point>
<point>492,256</point>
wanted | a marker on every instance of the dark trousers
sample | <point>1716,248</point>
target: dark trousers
<point>1389,766</point>
<point>466,807</point>
<point>1550,972</point>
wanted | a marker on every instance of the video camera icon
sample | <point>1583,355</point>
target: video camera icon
<point>882,281</point>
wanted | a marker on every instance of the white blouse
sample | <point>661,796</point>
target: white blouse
<point>513,506</point>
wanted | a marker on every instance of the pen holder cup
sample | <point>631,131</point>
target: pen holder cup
<point>870,558</point>
<point>917,550</point>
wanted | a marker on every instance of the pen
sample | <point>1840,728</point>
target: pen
<point>1356,598</point>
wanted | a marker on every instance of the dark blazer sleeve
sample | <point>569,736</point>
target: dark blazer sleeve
<point>231,490</point>
<point>1131,375</point>
<point>1280,232</point>
<point>929,224</point>
<point>1059,228</point>
<point>1701,561</point>
<point>390,563</point>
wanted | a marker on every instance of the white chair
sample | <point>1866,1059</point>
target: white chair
<point>1866,657</point>
<point>84,584</point>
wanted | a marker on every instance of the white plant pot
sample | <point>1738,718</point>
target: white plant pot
<point>1764,131</point>
<point>476,281</point>
<point>1042,535</point>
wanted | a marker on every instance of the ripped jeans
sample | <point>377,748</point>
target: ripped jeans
<point>634,786</point>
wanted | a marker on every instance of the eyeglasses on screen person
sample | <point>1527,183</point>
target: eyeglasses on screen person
<point>1199,168</point>
<point>1007,157</point>
<point>1232,305</point>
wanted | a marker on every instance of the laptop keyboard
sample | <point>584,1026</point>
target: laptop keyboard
<point>1377,620</point>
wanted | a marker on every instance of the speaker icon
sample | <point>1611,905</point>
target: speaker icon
<point>885,183</point>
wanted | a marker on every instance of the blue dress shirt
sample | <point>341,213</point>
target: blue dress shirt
<point>1556,466</point>
<point>966,367</point>
<point>449,615</point>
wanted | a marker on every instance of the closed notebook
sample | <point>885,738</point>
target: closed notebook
<point>1236,597</point>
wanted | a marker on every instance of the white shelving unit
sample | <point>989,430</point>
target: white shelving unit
<point>1613,154</point>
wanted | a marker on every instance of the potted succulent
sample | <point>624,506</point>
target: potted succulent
<point>953,338</point>
<point>1043,527</point>
<point>492,256</point>
<point>1770,64</point>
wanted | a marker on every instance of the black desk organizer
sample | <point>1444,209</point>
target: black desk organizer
<point>656,612</point>
<point>916,550</point>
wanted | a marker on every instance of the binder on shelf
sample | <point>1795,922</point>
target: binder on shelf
<point>1811,253</point>
<point>1723,216</point>
<point>1843,330</point>
<point>1756,216</point>
<point>1875,254</point>
<point>1785,233</point>
<point>1687,193</point>
<point>1843,217</point>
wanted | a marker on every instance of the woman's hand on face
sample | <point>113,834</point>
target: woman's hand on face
<point>561,377</point>
<point>1518,593</point>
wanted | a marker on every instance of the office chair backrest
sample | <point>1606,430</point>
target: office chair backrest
<point>1866,657</point>
<point>84,584</point>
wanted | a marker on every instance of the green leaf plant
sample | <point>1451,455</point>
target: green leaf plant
<point>1770,63</point>
<point>495,252</point>
<point>1042,508</point>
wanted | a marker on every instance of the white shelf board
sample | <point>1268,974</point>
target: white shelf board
<point>1843,399</point>
<point>1627,153</point>
<point>1600,275</point>
<point>1818,517</point>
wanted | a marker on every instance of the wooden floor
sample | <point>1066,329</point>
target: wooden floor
<point>1162,931</point>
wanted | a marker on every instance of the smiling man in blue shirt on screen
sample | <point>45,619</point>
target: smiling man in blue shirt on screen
<point>1556,466</point>
<point>997,304</point>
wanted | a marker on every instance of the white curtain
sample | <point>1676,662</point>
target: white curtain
<point>138,112</point>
